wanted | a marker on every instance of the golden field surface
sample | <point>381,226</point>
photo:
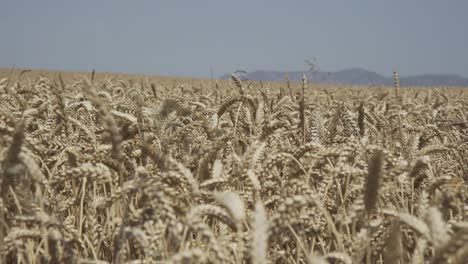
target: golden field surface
<point>115,168</point>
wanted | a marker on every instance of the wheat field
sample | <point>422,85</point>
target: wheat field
<point>102,168</point>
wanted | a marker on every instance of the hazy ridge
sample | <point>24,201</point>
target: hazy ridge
<point>357,76</point>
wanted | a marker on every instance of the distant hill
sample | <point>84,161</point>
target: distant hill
<point>358,76</point>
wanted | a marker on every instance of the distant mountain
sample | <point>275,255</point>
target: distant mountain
<point>357,76</point>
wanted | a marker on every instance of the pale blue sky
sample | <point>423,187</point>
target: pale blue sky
<point>188,38</point>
